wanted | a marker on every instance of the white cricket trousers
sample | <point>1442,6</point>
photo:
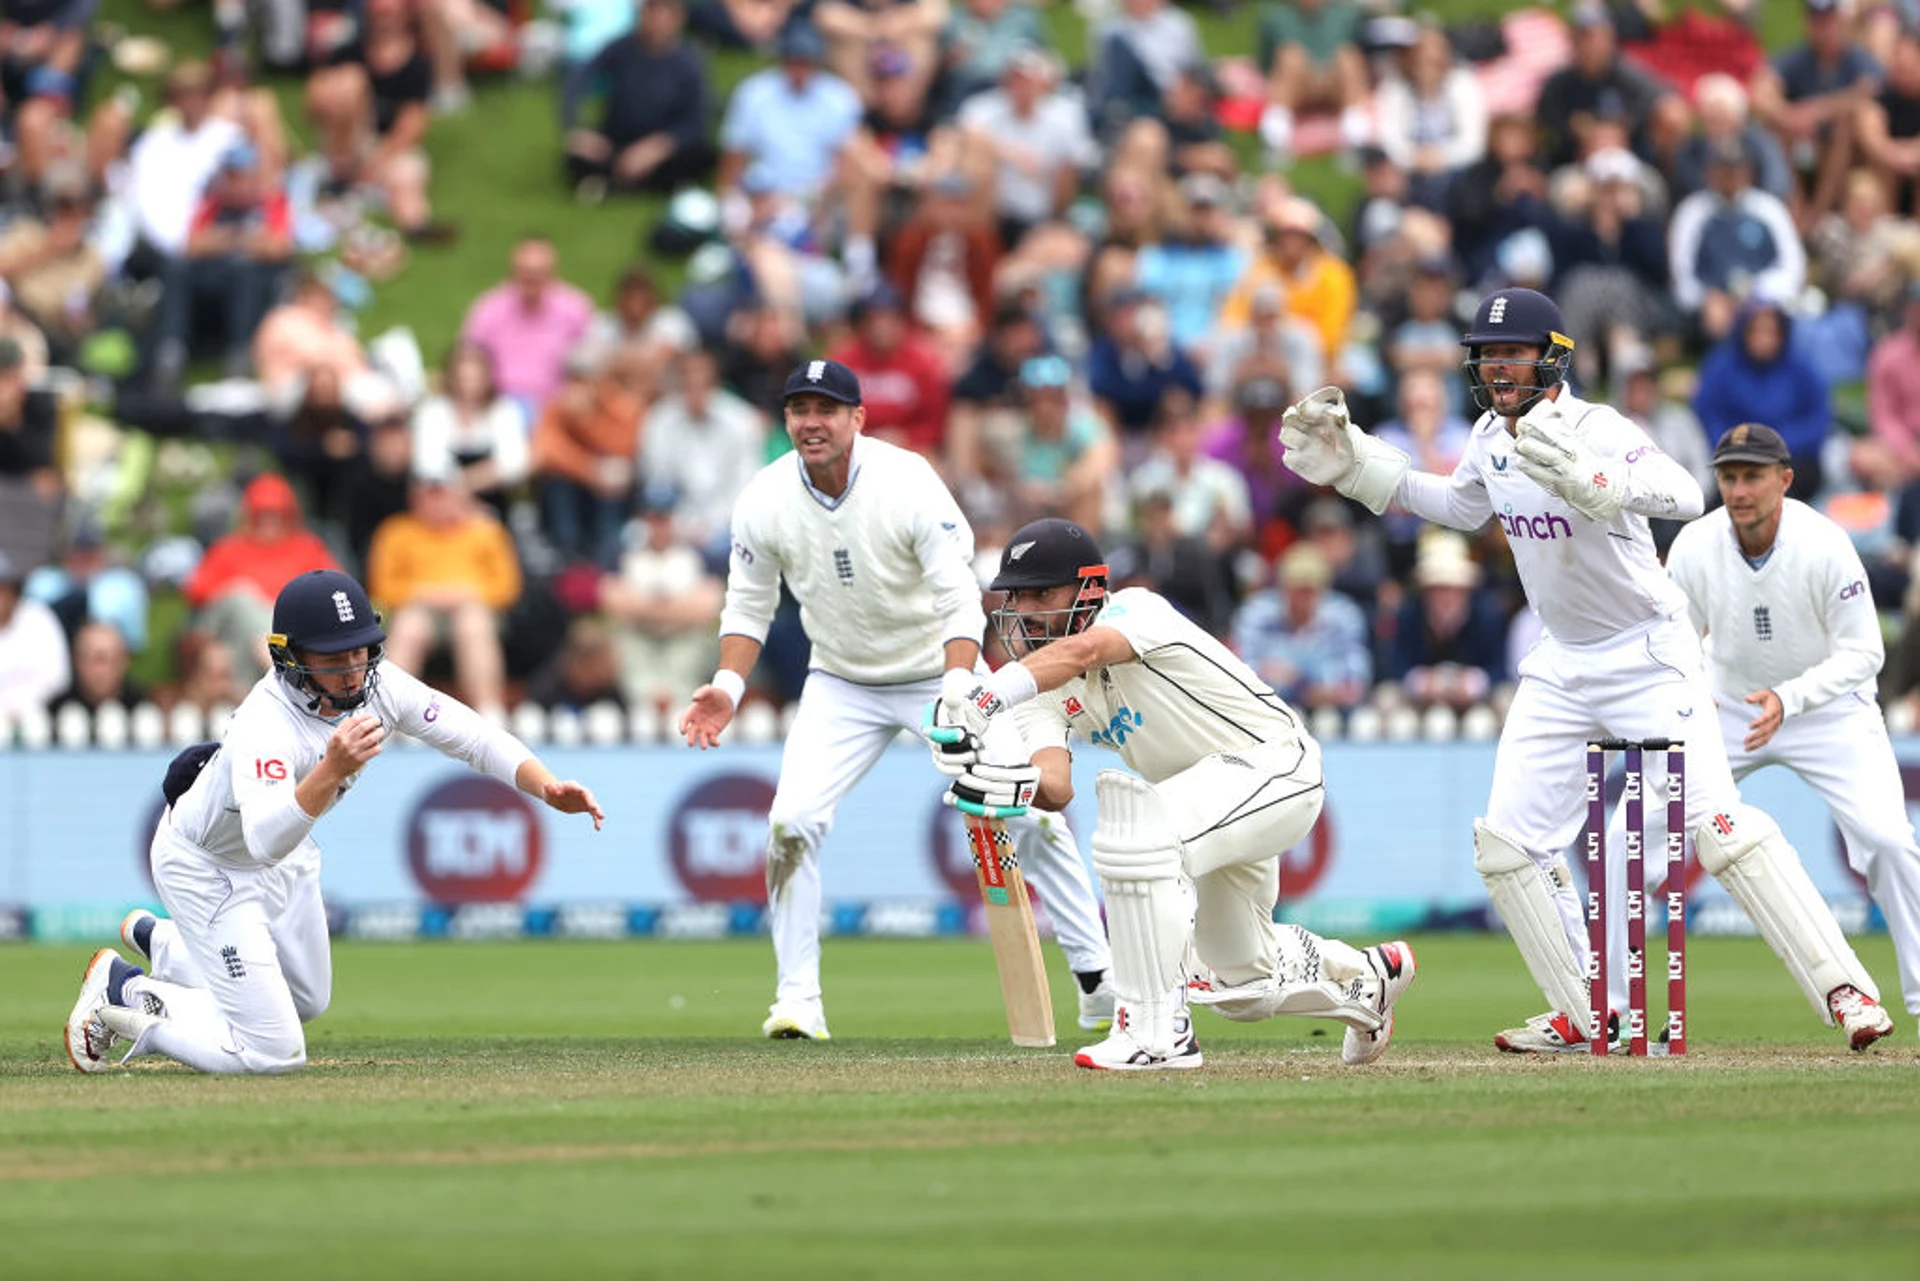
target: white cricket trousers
<point>1237,813</point>
<point>838,734</point>
<point>245,962</point>
<point>1841,751</point>
<point>1645,683</point>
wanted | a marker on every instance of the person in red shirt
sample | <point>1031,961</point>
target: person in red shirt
<point>903,383</point>
<point>237,247</point>
<point>233,589</point>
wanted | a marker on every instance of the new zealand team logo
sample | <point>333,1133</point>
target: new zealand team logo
<point>1119,729</point>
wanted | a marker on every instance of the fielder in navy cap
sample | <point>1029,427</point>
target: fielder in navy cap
<point>827,378</point>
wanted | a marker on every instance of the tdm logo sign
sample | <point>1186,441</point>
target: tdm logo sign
<point>474,840</point>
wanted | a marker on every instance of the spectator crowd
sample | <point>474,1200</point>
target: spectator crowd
<point>1081,288</point>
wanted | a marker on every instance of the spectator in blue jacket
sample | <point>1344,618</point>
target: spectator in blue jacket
<point>1133,365</point>
<point>1757,375</point>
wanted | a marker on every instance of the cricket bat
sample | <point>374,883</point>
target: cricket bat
<point>1016,945</point>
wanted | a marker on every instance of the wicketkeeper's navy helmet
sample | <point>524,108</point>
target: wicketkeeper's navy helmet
<point>324,611</point>
<point>1518,316</point>
<point>1041,554</point>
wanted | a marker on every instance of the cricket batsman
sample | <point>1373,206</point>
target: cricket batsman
<point>1188,846</point>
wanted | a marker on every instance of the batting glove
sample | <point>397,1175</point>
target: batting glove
<point>994,791</point>
<point>956,723</point>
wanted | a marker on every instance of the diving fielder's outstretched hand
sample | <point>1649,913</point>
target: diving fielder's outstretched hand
<point>570,797</point>
<point>710,712</point>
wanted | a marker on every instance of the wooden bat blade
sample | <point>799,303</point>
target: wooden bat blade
<point>1016,944</point>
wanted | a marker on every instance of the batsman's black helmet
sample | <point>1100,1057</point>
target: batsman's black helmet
<point>1518,316</point>
<point>1041,554</point>
<point>1046,553</point>
<point>324,611</point>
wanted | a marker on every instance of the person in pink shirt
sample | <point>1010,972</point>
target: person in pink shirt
<point>528,323</point>
<point>1889,458</point>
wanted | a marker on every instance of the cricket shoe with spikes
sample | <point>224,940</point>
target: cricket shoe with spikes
<point>1552,1033</point>
<point>1393,971</point>
<point>89,1039</point>
<point>1096,1007</point>
<point>1121,1053</point>
<point>796,1021</point>
<point>1862,1018</point>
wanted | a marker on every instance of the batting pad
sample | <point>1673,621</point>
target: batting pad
<point>1523,893</point>
<point>1747,854</point>
<point>1136,854</point>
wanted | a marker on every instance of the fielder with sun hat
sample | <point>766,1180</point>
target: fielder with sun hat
<point>1573,485</point>
<point>873,546</point>
<point>244,959</point>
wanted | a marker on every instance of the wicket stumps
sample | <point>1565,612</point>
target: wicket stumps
<point>1633,754</point>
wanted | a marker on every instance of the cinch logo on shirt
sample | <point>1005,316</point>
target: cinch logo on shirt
<point>1542,528</point>
<point>1124,722</point>
<point>1852,589</point>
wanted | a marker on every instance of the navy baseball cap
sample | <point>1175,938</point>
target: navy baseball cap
<point>827,378</point>
<point>1751,443</point>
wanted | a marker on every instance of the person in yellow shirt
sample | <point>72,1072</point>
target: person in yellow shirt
<point>445,570</point>
<point>1318,286</point>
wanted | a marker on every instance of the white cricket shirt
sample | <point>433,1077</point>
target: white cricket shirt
<point>883,572</point>
<point>1588,581</point>
<point>241,808</point>
<point>1802,625</point>
<point>1186,696</point>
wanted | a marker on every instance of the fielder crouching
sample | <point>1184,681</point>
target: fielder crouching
<point>1188,852</point>
<point>245,960</point>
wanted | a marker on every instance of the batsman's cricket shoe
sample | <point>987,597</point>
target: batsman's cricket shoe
<point>1552,1033</point>
<point>1393,971</point>
<point>1121,1053</point>
<point>136,931</point>
<point>796,1021</point>
<point>1862,1018</point>
<point>1096,1007</point>
<point>89,1039</point>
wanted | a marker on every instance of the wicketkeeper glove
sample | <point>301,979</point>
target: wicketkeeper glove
<point>994,791</point>
<point>1553,457</point>
<point>1322,446</point>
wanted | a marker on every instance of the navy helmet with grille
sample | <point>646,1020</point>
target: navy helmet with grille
<point>323,612</point>
<point>1526,317</point>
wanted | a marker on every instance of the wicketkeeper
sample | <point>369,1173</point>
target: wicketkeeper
<point>1573,485</point>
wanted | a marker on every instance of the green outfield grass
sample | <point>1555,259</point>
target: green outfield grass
<point>554,1109</point>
